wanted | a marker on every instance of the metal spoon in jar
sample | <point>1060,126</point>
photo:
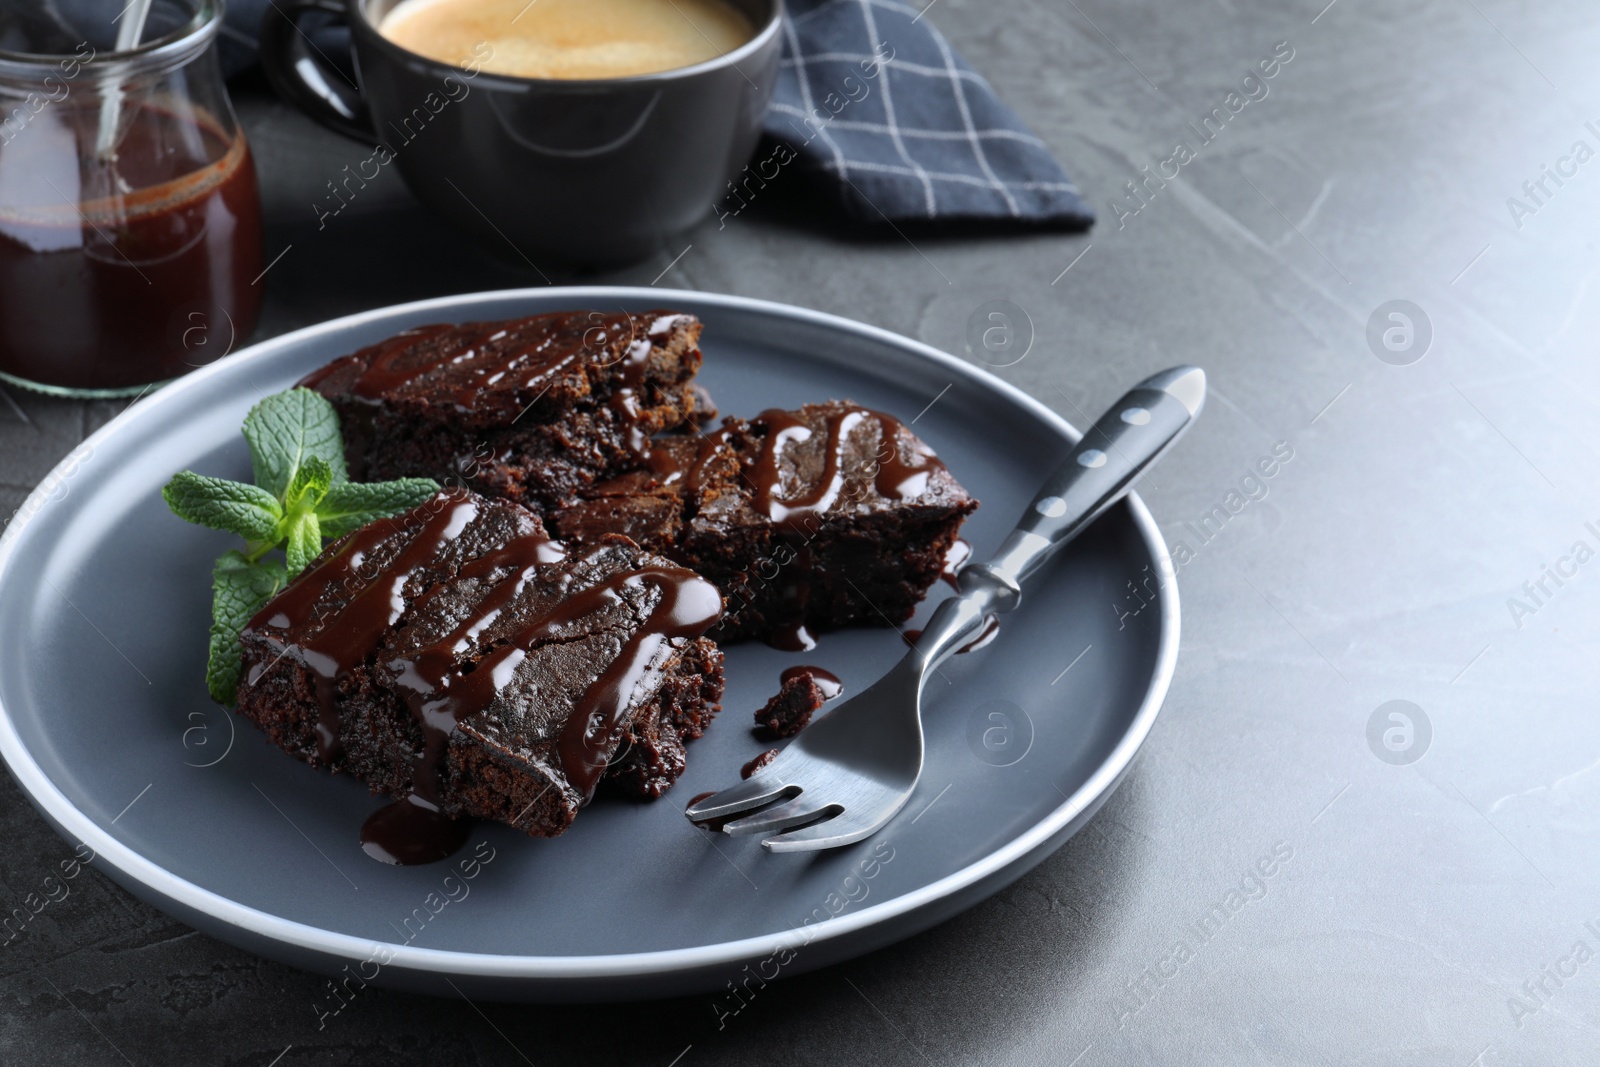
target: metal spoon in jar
<point>129,30</point>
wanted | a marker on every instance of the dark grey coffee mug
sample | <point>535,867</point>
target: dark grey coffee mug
<point>577,172</point>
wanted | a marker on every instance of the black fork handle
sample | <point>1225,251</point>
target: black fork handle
<point>1100,470</point>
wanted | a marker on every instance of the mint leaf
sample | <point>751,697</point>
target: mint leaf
<point>302,495</point>
<point>247,510</point>
<point>352,505</point>
<point>311,481</point>
<point>284,430</point>
<point>305,541</point>
<point>299,529</point>
<point>239,589</point>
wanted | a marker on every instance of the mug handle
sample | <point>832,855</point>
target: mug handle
<point>302,75</point>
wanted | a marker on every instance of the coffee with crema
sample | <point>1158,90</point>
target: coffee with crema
<point>582,39</point>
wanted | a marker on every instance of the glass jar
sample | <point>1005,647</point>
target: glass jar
<point>130,222</point>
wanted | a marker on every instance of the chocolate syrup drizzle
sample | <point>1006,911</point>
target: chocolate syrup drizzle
<point>625,399</point>
<point>893,477</point>
<point>440,694</point>
<point>665,466</point>
<point>515,358</point>
<point>955,557</point>
<point>795,636</point>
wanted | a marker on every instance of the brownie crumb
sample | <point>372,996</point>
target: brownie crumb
<point>759,762</point>
<point>789,712</point>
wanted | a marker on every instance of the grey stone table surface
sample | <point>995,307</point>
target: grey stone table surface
<point>1434,895</point>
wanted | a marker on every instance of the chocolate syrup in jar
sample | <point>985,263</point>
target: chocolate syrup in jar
<point>121,272</point>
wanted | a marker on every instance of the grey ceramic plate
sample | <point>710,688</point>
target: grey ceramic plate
<point>104,719</point>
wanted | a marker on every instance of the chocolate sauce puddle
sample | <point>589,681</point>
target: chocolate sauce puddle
<point>826,681</point>
<point>412,831</point>
<point>750,768</point>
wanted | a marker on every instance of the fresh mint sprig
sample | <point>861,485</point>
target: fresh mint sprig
<point>302,495</point>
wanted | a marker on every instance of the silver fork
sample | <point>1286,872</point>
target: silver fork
<point>851,771</point>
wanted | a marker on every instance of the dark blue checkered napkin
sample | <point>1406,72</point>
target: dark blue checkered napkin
<point>876,106</point>
<point>875,100</point>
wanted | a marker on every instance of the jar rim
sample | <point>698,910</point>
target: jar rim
<point>181,44</point>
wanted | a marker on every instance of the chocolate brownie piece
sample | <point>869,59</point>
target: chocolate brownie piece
<point>458,659</point>
<point>533,410</point>
<point>807,520</point>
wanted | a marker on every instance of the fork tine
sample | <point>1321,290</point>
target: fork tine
<point>742,797</point>
<point>800,809</point>
<point>831,833</point>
